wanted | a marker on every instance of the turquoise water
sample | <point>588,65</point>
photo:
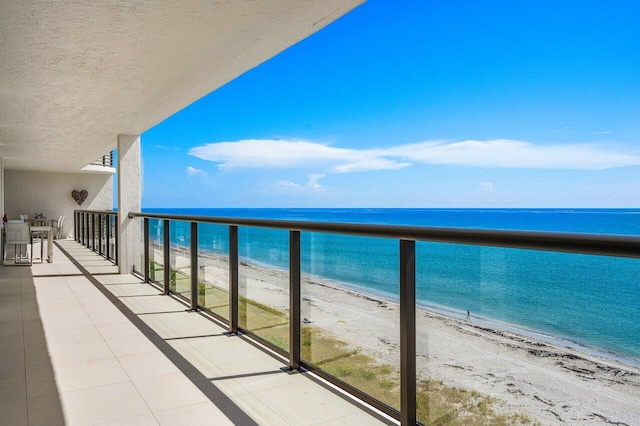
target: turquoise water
<point>591,300</point>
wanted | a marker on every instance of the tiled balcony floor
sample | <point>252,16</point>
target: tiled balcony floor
<point>107,349</point>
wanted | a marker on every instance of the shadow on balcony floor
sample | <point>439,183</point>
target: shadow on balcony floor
<point>116,342</point>
<point>28,394</point>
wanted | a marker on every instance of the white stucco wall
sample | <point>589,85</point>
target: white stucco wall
<point>1,187</point>
<point>30,193</point>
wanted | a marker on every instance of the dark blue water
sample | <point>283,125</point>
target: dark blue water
<point>592,300</point>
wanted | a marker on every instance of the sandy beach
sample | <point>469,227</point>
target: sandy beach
<point>550,383</point>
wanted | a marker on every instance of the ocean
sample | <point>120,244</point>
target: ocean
<point>589,301</point>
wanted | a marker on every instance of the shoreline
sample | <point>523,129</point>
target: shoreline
<point>476,320</point>
<point>553,382</point>
<point>531,333</point>
<point>446,311</point>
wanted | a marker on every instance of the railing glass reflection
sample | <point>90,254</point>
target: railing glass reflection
<point>264,284</point>
<point>180,259</point>
<point>213,269</point>
<point>356,322</point>
<point>348,331</point>
<point>156,251</point>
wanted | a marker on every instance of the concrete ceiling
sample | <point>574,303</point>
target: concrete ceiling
<point>75,74</point>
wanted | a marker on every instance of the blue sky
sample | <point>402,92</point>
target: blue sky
<point>421,104</point>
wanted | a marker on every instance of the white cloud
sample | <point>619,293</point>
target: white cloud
<point>267,153</point>
<point>486,187</point>
<point>369,164</point>
<point>198,173</point>
<point>312,182</point>
<point>497,153</point>
<point>503,153</point>
<point>288,183</point>
<point>313,179</point>
<point>604,132</point>
<point>163,147</point>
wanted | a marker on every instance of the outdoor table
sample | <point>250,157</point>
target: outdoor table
<point>49,231</point>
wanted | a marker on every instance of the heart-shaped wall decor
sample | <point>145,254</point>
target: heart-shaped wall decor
<point>79,196</point>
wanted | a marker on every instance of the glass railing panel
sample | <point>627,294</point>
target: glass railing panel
<point>81,228</point>
<point>89,240</point>
<point>502,334</point>
<point>89,230</point>
<point>95,227</point>
<point>103,234</point>
<point>112,237</point>
<point>264,283</point>
<point>180,258</point>
<point>213,268</point>
<point>156,251</point>
<point>350,312</point>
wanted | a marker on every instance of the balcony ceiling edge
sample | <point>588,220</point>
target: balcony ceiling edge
<point>75,75</point>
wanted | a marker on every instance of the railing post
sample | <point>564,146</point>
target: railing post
<point>407,332</point>
<point>233,280</point>
<point>93,232</point>
<point>100,234</point>
<point>90,231</point>
<point>166,247</point>
<point>75,226</point>
<point>145,233</point>
<point>96,232</point>
<point>194,266</point>
<point>294,300</point>
<point>115,233</point>
<point>107,236</point>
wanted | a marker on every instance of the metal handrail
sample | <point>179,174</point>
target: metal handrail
<point>596,244</point>
<point>107,212</point>
<point>105,161</point>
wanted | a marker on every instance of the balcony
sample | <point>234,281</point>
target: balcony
<point>195,337</point>
<point>385,349</point>
<point>82,344</point>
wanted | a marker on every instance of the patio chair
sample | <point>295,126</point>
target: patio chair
<point>59,230</point>
<point>18,235</point>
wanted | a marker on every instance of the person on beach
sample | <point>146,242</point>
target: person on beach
<point>468,315</point>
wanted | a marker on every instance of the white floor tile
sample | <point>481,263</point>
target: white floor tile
<point>142,366</point>
<point>198,414</point>
<point>170,391</point>
<point>103,404</point>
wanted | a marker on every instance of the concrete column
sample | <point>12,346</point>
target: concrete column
<point>129,200</point>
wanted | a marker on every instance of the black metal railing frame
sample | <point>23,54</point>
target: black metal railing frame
<point>97,230</point>
<point>606,245</point>
<point>104,161</point>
